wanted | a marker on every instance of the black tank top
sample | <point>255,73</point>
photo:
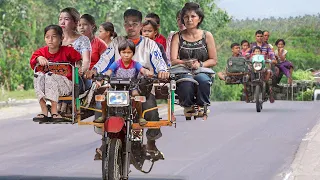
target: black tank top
<point>193,50</point>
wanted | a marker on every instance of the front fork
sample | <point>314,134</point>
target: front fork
<point>126,161</point>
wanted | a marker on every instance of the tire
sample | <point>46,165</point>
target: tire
<point>112,166</point>
<point>257,93</point>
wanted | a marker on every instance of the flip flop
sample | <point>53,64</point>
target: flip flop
<point>98,155</point>
<point>41,119</point>
<point>55,118</point>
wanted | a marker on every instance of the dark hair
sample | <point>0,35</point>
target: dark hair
<point>91,20</point>
<point>191,6</point>
<point>108,26</point>
<point>257,47</point>
<point>75,15</point>
<point>245,41</point>
<point>127,43</point>
<point>134,13</point>
<point>234,44</point>
<point>259,32</point>
<point>56,28</point>
<point>154,16</point>
<point>264,31</point>
<point>279,40</point>
<point>152,23</point>
<point>178,14</point>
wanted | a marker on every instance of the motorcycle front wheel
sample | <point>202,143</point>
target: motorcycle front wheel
<point>112,164</point>
<point>257,95</point>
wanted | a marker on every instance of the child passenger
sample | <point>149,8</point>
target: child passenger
<point>285,66</point>
<point>125,67</point>
<point>49,86</point>
<point>150,30</point>
<point>245,47</point>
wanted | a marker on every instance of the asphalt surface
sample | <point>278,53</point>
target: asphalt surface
<point>235,143</point>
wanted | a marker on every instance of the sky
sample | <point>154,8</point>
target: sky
<point>241,9</point>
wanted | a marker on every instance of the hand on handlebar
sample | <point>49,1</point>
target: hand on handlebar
<point>42,61</point>
<point>163,75</point>
<point>149,73</point>
<point>90,74</point>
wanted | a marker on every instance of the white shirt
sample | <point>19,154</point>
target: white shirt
<point>147,53</point>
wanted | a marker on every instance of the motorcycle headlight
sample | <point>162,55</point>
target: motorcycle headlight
<point>257,66</point>
<point>118,98</point>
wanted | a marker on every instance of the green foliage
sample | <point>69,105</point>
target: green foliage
<point>222,92</point>
<point>18,95</point>
<point>302,75</point>
<point>305,95</point>
<point>22,23</point>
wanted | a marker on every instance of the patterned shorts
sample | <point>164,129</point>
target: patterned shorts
<point>51,86</point>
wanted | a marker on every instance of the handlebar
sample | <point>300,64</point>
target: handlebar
<point>100,77</point>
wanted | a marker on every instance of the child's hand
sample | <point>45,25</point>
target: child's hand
<point>88,74</point>
<point>42,61</point>
<point>148,73</point>
<point>80,72</point>
<point>280,50</point>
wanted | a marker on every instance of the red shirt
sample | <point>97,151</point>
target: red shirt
<point>65,54</point>
<point>98,47</point>
<point>162,40</point>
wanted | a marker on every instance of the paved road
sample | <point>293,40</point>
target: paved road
<point>235,143</point>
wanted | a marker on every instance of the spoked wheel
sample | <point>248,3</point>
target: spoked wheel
<point>112,160</point>
<point>258,97</point>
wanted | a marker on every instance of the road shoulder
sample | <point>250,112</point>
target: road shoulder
<point>306,165</point>
<point>30,108</point>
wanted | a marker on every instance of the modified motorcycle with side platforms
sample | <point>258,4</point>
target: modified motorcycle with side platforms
<point>252,74</point>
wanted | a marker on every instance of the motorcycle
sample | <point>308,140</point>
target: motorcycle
<point>123,136</point>
<point>256,85</point>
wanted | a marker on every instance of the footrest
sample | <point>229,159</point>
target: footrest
<point>152,124</point>
<point>56,122</point>
<point>65,98</point>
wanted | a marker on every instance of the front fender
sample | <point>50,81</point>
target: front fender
<point>114,124</point>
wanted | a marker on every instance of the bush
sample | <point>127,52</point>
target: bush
<point>305,95</point>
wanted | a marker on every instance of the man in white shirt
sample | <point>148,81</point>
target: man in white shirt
<point>149,55</point>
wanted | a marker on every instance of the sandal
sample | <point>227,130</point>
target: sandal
<point>201,111</point>
<point>41,118</point>
<point>57,117</point>
<point>98,155</point>
<point>99,120</point>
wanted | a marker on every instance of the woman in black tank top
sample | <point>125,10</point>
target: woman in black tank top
<point>193,43</point>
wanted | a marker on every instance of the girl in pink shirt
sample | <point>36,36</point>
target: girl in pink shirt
<point>245,47</point>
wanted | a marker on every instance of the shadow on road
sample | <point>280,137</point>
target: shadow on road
<point>17,177</point>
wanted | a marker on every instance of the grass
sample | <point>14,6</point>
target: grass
<point>18,95</point>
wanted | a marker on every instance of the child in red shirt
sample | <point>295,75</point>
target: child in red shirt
<point>159,37</point>
<point>150,30</point>
<point>49,86</point>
